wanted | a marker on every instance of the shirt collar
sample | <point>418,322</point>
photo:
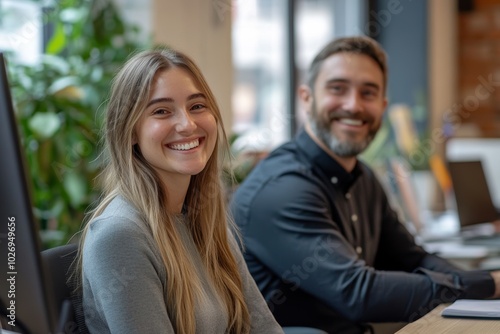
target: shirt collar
<point>327,164</point>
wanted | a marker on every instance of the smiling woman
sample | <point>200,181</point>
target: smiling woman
<point>162,219</point>
<point>177,132</point>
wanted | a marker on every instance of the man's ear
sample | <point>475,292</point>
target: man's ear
<point>305,98</point>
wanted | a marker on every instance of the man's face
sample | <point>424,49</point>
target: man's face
<point>347,104</point>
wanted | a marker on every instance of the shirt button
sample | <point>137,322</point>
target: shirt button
<point>354,217</point>
<point>334,180</point>
<point>348,196</point>
<point>359,250</point>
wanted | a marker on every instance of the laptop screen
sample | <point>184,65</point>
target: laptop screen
<point>472,194</point>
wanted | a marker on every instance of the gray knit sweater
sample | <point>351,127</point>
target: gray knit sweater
<point>124,280</point>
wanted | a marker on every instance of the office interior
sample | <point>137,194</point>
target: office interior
<point>443,79</point>
<point>442,86</point>
<point>443,101</point>
<point>441,58</point>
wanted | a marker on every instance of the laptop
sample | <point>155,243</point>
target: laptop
<point>477,215</point>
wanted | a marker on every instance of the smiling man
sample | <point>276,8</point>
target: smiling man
<point>321,240</point>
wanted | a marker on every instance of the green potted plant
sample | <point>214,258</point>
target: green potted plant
<point>58,103</point>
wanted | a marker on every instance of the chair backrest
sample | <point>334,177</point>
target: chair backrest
<point>57,263</point>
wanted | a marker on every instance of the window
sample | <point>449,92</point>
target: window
<point>21,27</point>
<point>261,31</point>
<point>259,57</point>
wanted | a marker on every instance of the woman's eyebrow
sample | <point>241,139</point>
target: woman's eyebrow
<point>169,99</point>
<point>195,96</point>
<point>160,100</point>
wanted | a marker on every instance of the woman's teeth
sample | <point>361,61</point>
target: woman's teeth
<point>186,146</point>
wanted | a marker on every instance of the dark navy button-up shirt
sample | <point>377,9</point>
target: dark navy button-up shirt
<point>327,250</point>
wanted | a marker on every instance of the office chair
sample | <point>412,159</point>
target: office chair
<point>57,262</point>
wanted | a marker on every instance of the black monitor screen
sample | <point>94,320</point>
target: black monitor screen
<point>472,193</point>
<point>24,303</point>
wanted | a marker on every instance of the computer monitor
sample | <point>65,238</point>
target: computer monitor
<point>25,304</point>
<point>485,149</point>
<point>472,193</point>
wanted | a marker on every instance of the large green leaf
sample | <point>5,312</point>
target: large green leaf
<point>45,124</point>
<point>73,15</point>
<point>76,187</point>
<point>58,41</point>
<point>63,83</point>
<point>55,63</point>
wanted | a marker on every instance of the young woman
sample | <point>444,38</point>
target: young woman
<point>157,255</point>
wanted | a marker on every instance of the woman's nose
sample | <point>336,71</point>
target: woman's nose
<point>185,122</point>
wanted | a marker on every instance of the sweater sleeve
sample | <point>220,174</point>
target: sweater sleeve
<point>122,288</point>
<point>262,320</point>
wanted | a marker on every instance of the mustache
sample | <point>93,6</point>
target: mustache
<point>337,114</point>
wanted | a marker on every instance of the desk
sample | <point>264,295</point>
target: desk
<point>441,236</point>
<point>434,323</point>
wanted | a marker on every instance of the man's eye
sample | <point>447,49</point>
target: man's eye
<point>337,89</point>
<point>369,93</point>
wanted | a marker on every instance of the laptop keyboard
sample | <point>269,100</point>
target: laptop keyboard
<point>492,240</point>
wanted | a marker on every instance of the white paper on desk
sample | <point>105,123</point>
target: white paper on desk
<point>473,308</point>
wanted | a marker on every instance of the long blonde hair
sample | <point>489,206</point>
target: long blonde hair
<point>127,173</point>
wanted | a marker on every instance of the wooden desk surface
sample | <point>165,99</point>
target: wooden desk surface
<point>434,323</point>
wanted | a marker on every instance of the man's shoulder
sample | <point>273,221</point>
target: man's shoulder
<point>365,168</point>
<point>285,170</point>
<point>284,159</point>
<point>368,174</point>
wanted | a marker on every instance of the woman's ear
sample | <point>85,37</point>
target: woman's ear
<point>134,139</point>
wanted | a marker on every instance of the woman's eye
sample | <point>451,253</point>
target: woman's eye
<point>160,111</point>
<point>198,107</point>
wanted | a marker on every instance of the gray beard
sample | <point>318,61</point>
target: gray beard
<point>345,148</point>
<point>340,148</point>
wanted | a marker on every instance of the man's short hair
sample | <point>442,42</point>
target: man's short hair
<point>358,45</point>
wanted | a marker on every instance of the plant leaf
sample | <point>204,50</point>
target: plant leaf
<point>63,83</point>
<point>45,124</point>
<point>75,187</point>
<point>73,15</point>
<point>58,40</point>
<point>56,63</point>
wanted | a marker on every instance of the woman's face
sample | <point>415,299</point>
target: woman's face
<point>177,131</point>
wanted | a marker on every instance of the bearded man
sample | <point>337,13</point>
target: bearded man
<point>320,237</point>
